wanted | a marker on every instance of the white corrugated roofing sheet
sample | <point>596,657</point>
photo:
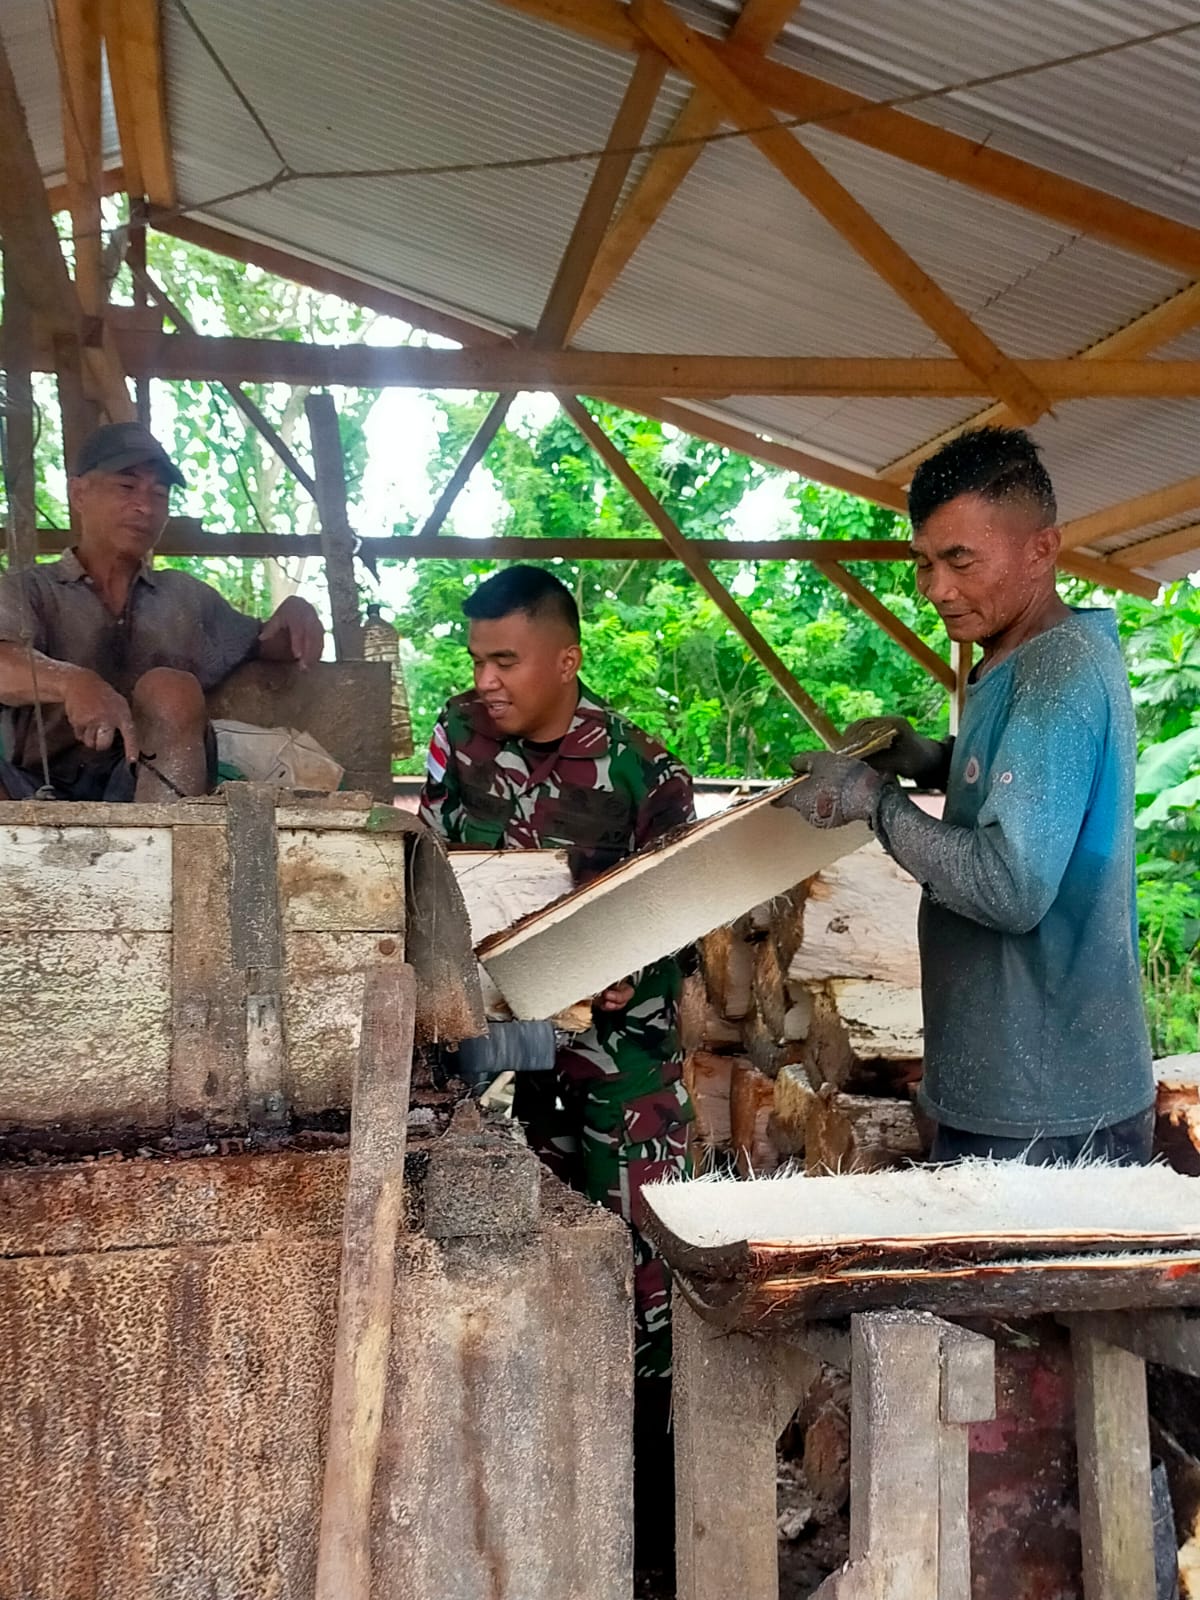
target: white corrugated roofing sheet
<point>739,263</point>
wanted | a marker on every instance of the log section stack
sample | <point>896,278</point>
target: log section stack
<point>802,1028</point>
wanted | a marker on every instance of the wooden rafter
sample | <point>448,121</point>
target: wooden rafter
<point>1171,501</point>
<point>133,43</point>
<point>789,457</point>
<point>112,181</point>
<point>692,54</point>
<point>77,24</point>
<point>33,255</point>
<point>1174,316</point>
<point>601,198</point>
<point>327,280</point>
<point>1098,569</point>
<point>471,457</point>
<point>1076,206</point>
<point>757,27</point>
<point>603,193</point>
<point>184,537</point>
<point>1160,547</point>
<point>524,366</point>
<point>249,408</point>
<point>890,623</point>
<point>683,550</point>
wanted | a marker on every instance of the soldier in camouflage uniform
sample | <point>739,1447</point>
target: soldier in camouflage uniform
<point>530,759</point>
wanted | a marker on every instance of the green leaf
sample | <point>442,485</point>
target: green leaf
<point>1163,765</point>
<point>1180,796</point>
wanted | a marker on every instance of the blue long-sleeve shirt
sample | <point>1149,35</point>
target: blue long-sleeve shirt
<point>1028,927</point>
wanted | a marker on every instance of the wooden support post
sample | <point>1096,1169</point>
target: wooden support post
<point>337,537</point>
<point>961,657</point>
<point>1112,1425</point>
<point>362,1339</point>
<point>697,565</point>
<point>732,1396</point>
<point>136,257</point>
<point>18,422</point>
<point>968,1395</point>
<point>80,414</point>
<point>896,630</point>
<point>915,1383</point>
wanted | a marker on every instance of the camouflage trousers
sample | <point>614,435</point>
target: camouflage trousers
<point>608,1147</point>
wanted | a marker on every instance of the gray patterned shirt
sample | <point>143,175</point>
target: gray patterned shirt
<point>170,620</point>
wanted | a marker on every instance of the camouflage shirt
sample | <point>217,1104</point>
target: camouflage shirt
<point>603,791</point>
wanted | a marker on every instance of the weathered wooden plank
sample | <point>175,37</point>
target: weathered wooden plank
<point>344,881</point>
<point>881,1019</point>
<point>363,1334</point>
<point>208,993</point>
<point>724,1407</point>
<point>84,879</point>
<point>1169,1338</point>
<point>968,1394</point>
<point>324,977</point>
<point>86,1020</point>
<point>256,944</point>
<point>1112,1426</point>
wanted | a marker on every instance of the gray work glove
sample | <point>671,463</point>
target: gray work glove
<point>506,1047</point>
<point>836,790</point>
<point>907,755</point>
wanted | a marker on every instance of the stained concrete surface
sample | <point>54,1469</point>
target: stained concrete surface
<point>166,1335</point>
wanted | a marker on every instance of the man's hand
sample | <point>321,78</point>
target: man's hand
<point>616,997</point>
<point>836,790</point>
<point>906,755</point>
<point>293,633</point>
<point>97,713</point>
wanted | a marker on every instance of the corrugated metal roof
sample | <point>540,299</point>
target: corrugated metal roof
<point>739,264</point>
<point>25,27</point>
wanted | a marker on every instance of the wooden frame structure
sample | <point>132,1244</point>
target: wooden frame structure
<point>65,325</point>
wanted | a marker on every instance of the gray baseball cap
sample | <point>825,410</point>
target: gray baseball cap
<point>125,444</point>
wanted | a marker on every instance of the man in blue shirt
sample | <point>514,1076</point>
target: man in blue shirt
<point>1035,1036</point>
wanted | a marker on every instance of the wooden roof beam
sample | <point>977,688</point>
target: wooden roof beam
<point>1096,569</point>
<point>1159,547</point>
<point>152,353</point>
<point>692,54</point>
<point>133,44</point>
<point>757,27</point>
<point>1166,321</point>
<point>184,537</point>
<point>327,280</point>
<point>1171,501</point>
<point>601,198</point>
<point>791,458</point>
<point>697,564</point>
<point>34,256</point>
<point>890,623</point>
<point>979,166</point>
<point>79,58</point>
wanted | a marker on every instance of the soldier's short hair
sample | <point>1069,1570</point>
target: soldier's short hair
<point>998,463</point>
<point>533,590</point>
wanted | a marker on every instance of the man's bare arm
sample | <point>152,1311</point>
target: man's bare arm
<point>94,709</point>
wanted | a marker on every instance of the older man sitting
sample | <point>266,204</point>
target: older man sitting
<point>113,657</point>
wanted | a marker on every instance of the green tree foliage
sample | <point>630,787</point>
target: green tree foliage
<point>1162,646</point>
<point>654,643</point>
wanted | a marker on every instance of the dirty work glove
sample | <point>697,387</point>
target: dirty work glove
<point>907,755</point>
<point>836,790</point>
